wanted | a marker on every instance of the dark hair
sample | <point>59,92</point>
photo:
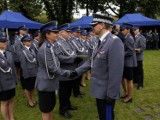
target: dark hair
<point>43,37</point>
<point>133,34</point>
<point>107,26</point>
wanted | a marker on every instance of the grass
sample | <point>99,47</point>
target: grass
<point>146,101</point>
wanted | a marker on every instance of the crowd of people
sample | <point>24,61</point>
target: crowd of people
<point>152,39</point>
<point>60,58</point>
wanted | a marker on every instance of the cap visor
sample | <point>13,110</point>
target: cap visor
<point>93,23</point>
<point>54,30</point>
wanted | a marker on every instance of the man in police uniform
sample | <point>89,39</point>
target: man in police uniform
<point>140,45</point>
<point>155,39</point>
<point>106,67</point>
<point>80,50</point>
<point>67,57</point>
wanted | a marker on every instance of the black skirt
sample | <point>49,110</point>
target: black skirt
<point>128,73</point>
<point>7,95</point>
<point>47,101</point>
<point>29,83</point>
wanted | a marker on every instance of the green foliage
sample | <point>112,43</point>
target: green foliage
<point>62,10</point>
<point>143,99</point>
<point>29,8</point>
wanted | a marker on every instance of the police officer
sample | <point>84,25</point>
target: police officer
<point>140,45</point>
<point>119,33</point>
<point>29,68</point>
<point>35,41</point>
<point>80,50</point>
<point>155,39</point>
<point>129,62</point>
<point>67,57</point>
<point>8,80</point>
<point>48,70</point>
<point>106,67</point>
<point>17,47</point>
<point>149,38</point>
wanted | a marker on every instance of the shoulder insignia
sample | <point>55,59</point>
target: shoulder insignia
<point>114,37</point>
<point>48,45</point>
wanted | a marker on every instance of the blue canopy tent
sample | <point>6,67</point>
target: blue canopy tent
<point>9,19</point>
<point>84,22</point>
<point>138,19</point>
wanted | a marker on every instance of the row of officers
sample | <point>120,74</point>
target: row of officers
<point>48,63</point>
<point>152,39</point>
<point>61,48</point>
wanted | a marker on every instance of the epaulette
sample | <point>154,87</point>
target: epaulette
<point>48,45</point>
<point>8,50</point>
<point>114,36</point>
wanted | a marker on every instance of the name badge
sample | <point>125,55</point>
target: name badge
<point>102,52</point>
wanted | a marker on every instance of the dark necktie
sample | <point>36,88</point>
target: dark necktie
<point>4,53</point>
<point>99,42</point>
<point>30,50</point>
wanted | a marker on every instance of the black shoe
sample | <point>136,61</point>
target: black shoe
<point>71,107</point>
<point>123,97</point>
<point>66,114</point>
<point>128,100</point>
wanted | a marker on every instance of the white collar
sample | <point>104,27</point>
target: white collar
<point>103,36</point>
<point>62,38</point>
<point>27,47</point>
<point>36,40</point>
<point>2,51</point>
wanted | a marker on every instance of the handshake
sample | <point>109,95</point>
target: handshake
<point>73,74</point>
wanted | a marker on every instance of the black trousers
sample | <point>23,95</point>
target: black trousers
<point>138,74</point>
<point>76,86</point>
<point>65,90</point>
<point>105,110</point>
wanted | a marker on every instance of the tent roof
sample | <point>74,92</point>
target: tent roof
<point>9,19</point>
<point>84,22</point>
<point>138,19</point>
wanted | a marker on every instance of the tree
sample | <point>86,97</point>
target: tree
<point>61,10</point>
<point>3,5</point>
<point>29,8</point>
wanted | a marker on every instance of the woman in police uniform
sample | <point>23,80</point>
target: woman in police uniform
<point>7,80</point>
<point>29,68</point>
<point>48,70</point>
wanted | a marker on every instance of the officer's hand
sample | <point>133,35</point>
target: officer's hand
<point>110,100</point>
<point>73,74</point>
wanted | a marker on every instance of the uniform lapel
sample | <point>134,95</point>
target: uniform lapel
<point>29,52</point>
<point>4,58</point>
<point>97,49</point>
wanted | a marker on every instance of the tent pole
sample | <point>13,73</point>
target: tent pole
<point>7,33</point>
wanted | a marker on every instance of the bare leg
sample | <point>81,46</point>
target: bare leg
<point>89,75</point>
<point>32,97</point>
<point>5,110</point>
<point>47,116</point>
<point>124,85</point>
<point>130,88</point>
<point>11,109</point>
<point>28,96</point>
<point>83,84</point>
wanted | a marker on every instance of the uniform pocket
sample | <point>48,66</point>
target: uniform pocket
<point>102,56</point>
